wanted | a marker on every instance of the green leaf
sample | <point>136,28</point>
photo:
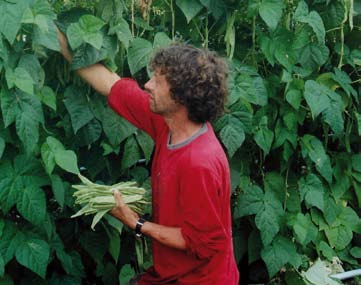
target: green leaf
<point>356,251</point>
<point>232,135</point>
<point>34,254</point>
<point>46,34</point>
<point>67,160</point>
<point>28,130</point>
<point>78,108</point>
<point>356,162</point>
<point>125,274</point>
<point>131,153</point>
<point>114,243</point>
<point>315,21</point>
<point>305,230</point>
<point>121,29</point>
<point>6,280</point>
<point>2,267</point>
<point>21,79</point>
<point>75,35</point>
<point>90,23</point>
<point>11,16</point>
<point>271,12</point>
<point>86,55</point>
<point>115,127</point>
<point>10,191</point>
<point>294,93</point>
<point>264,136</point>
<point>316,97</point>
<point>32,204</point>
<point>71,262</point>
<point>314,149</point>
<point>48,97</point>
<point>190,8</point>
<point>312,191</point>
<point>11,239</point>
<point>146,144</point>
<point>217,7</point>
<point>280,252</point>
<point>2,146</point>
<point>139,54</point>
<point>249,202</point>
<point>344,80</point>
<point>248,85</point>
<point>267,222</point>
<point>9,106</point>
<point>339,237</point>
<point>313,55</point>
<point>161,40</point>
<point>58,189</point>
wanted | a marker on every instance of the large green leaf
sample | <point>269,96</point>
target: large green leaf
<point>248,85</point>
<point>264,136</point>
<point>232,135</point>
<point>34,254</point>
<point>67,160</point>
<point>46,35</point>
<point>316,97</point>
<point>125,274</point>
<point>121,29</point>
<point>271,12</point>
<point>10,192</point>
<point>313,55</point>
<point>2,146</point>
<point>53,152</point>
<point>267,222</point>
<point>115,127</point>
<point>10,240</point>
<point>314,149</point>
<point>28,130</point>
<point>20,78</point>
<point>313,19</point>
<point>305,230</point>
<point>9,106</point>
<point>78,107</point>
<point>86,30</point>
<point>32,204</point>
<point>190,8</point>
<point>280,252</point>
<point>10,20</point>
<point>249,202</point>
<point>58,188</point>
<point>146,144</point>
<point>216,7</point>
<point>139,53</point>
<point>339,236</point>
<point>312,191</point>
<point>132,153</point>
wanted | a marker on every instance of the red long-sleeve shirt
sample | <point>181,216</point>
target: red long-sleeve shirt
<point>190,190</point>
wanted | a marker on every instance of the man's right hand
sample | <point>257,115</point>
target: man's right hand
<point>97,75</point>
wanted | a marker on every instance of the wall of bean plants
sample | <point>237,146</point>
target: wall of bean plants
<point>292,133</point>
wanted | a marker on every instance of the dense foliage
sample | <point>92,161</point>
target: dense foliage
<point>291,132</point>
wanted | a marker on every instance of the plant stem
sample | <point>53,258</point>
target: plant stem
<point>132,8</point>
<point>254,41</point>
<point>342,47</point>
<point>206,31</point>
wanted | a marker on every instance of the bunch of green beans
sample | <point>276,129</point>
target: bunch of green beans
<point>98,199</point>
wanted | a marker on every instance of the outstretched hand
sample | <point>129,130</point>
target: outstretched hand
<point>122,211</point>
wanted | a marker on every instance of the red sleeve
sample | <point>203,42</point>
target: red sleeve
<point>131,102</point>
<point>202,227</point>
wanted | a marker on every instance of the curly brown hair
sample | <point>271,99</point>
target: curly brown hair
<point>197,79</point>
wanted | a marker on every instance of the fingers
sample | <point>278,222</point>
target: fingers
<point>118,199</point>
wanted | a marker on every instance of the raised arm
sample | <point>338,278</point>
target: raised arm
<point>97,75</point>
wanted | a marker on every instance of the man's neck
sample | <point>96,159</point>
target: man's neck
<point>181,128</point>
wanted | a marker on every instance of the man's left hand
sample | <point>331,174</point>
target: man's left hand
<point>122,211</point>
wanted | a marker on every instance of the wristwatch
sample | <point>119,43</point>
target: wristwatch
<point>138,227</point>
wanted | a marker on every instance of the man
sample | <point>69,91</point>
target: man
<point>191,224</point>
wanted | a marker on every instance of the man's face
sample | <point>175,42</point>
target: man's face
<point>160,100</point>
